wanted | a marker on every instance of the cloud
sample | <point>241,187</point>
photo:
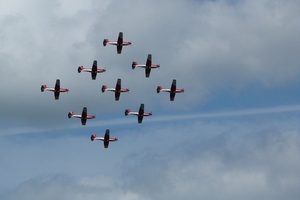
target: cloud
<point>210,47</point>
<point>204,160</point>
<point>224,166</point>
<point>206,46</point>
<point>159,119</point>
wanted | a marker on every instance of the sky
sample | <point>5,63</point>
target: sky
<point>233,134</point>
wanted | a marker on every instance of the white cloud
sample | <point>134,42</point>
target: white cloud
<point>158,119</point>
<point>205,46</point>
<point>204,160</point>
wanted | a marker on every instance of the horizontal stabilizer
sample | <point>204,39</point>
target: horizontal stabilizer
<point>127,111</point>
<point>158,89</point>
<point>134,64</point>
<point>105,41</point>
<point>80,68</point>
<point>93,136</point>
<point>43,87</point>
<point>104,87</point>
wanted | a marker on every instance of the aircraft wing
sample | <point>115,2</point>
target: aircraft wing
<point>57,89</point>
<point>173,86</point>
<point>118,89</point>
<point>147,72</point>
<point>173,90</point>
<point>172,96</point>
<point>119,49</point>
<point>120,43</point>
<point>118,85</point>
<point>140,119</point>
<point>94,70</point>
<point>120,38</point>
<point>149,60</point>
<point>84,112</point>
<point>106,139</point>
<point>83,121</point>
<point>83,115</point>
<point>106,143</point>
<point>141,110</point>
<point>56,95</point>
<point>95,64</point>
<point>141,113</point>
<point>57,85</point>
<point>94,75</point>
<point>117,95</point>
<point>106,135</point>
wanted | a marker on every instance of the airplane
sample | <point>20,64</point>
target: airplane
<point>84,116</point>
<point>106,139</point>
<point>173,90</point>
<point>147,66</point>
<point>117,89</point>
<point>94,70</point>
<point>119,43</point>
<point>57,89</point>
<point>140,113</point>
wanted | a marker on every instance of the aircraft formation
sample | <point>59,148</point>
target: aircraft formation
<point>94,70</point>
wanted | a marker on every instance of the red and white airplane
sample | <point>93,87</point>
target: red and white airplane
<point>57,89</point>
<point>106,139</point>
<point>94,70</point>
<point>83,116</point>
<point>148,66</point>
<point>119,43</point>
<point>173,90</point>
<point>140,114</point>
<point>117,90</point>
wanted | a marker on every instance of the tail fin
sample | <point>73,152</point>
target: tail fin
<point>158,89</point>
<point>127,111</point>
<point>43,87</point>
<point>70,114</point>
<point>80,68</point>
<point>93,136</point>
<point>105,41</point>
<point>134,64</point>
<point>103,88</point>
